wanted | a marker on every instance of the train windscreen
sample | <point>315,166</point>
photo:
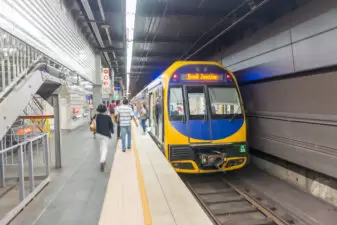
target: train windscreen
<point>224,101</point>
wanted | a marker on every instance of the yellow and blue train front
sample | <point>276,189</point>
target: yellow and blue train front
<point>206,126</point>
<point>212,147</point>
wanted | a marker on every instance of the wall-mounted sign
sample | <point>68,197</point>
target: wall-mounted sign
<point>75,110</point>
<point>26,130</point>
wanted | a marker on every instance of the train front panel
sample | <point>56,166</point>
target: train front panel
<point>204,121</point>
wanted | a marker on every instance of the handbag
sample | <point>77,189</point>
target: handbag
<point>93,125</point>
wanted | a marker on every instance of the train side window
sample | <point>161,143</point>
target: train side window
<point>176,106</point>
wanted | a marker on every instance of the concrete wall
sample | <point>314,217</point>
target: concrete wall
<point>298,42</point>
<point>295,118</point>
<point>70,99</point>
<point>49,27</point>
<point>317,185</point>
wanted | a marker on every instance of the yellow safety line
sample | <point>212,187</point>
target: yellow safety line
<point>145,202</point>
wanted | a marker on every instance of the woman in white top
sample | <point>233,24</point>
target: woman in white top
<point>143,117</point>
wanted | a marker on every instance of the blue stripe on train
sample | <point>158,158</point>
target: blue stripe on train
<point>200,129</point>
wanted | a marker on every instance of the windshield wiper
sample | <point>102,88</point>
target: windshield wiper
<point>235,113</point>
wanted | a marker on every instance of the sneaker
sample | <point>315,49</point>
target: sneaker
<point>123,150</point>
<point>129,148</point>
<point>102,166</point>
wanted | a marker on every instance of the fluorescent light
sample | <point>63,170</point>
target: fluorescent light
<point>129,56</point>
<point>131,6</point>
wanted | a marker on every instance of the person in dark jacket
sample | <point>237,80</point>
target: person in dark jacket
<point>104,129</point>
<point>157,114</point>
<point>118,103</point>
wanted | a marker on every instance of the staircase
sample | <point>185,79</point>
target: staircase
<point>36,108</point>
<point>23,72</point>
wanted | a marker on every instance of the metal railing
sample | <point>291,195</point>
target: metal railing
<point>24,165</point>
<point>15,57</point>
<point>34,153</point>
<point>24,154</point>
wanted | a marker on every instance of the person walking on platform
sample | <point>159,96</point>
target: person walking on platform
<point>112,106</point>
<point>104,129</point>
<point>117,120</point>
<point>157,114</point>
<point>93,129</point>
<point>125,114</point>
<point>143,117</point>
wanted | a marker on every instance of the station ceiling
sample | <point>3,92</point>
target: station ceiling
<point>169,30</point>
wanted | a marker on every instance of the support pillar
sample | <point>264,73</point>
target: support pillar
<point>97,89</point>
<point>97,95</point>
<point>57,130</point>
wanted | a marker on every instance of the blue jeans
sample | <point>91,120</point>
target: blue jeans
<point>126,130</point>
<point>143,121</point>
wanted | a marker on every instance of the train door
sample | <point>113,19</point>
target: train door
<point>177,110</point>
<point>158,118</point>
<point>199,124</point>
<point>150,112</point>
<point>153,112</point>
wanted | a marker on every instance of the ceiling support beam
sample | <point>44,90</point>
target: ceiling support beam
<point>90,15</point>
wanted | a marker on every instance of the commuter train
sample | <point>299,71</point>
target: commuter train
<point>196,117</point>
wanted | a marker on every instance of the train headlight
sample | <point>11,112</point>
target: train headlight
<point>204,159</point>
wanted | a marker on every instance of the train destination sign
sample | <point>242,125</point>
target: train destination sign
<point>202,77</point>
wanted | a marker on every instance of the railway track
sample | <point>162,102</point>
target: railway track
<point>227,204</point>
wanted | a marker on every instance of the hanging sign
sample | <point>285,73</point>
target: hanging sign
<point>106,79</point>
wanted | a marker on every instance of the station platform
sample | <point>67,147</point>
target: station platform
<point>138,187</point>
<point>76,192</point>
<point>144,189</point>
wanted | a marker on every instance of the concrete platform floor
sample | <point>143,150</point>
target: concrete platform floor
<point>123,204</point>
<point>10,196</point>
<point>76,192</point>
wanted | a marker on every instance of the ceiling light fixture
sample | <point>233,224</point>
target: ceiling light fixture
<point>131,6</point>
